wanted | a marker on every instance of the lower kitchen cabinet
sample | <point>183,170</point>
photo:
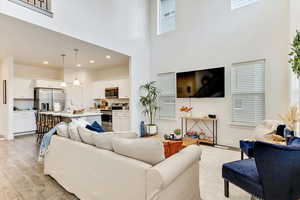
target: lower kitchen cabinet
<point>24,121</point>
<point>121,120</point>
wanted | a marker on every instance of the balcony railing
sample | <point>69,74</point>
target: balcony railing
<point>41,6</point>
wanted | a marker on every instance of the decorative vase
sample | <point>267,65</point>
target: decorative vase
<point>142,129</point>
<point>178,137</point>
<point>189,114</point>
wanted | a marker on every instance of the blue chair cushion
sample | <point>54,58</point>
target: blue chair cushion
<point>247,147</point>
<point>243,173</point>
<point>95,127</point>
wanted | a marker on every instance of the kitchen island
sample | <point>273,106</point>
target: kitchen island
<point>67,117</point>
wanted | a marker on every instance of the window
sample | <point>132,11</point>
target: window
<point>235,4</point>
<point>167,97</point>
<point>248,92</point>
<point>167,16</point>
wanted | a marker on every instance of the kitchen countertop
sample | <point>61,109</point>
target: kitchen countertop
<point>24,111</point>
<point>70,115</point>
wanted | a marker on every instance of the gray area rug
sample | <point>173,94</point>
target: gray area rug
<point>211,182</point>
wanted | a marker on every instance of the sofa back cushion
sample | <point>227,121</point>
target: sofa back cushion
<point>63,130</point>
<point>87,135</point>
<point>148,150</point>
<point>73,131</point>
<point>104,140</point>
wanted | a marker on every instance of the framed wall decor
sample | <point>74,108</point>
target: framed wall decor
<point>4,92</point>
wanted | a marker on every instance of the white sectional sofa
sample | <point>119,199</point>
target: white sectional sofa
<point>96,174</point>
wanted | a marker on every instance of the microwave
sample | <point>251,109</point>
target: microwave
<point>112,93</point>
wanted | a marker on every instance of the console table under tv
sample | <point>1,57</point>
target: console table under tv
<point>204,121</point>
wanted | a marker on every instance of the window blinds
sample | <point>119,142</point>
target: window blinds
<point>167,99</point>
<point>248,92</point>
<point>235,4</point>
<point>167,16</point>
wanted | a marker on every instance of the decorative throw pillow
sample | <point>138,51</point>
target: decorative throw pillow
<point>104,140</point>
<point>148,150</point>
<point>95,127</point>
<point>86,135</point>
<point>62,130</point>
<point>73,132</point>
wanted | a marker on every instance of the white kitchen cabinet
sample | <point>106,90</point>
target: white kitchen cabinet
<point>24,121</point>
<point>124,88</point>
<point>47,84</point>
<point>121,120</point>
<point>23,88</point>
<point>122,84</point>
<point>99,90</point>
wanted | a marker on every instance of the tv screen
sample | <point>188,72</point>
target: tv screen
<point>208,83</point>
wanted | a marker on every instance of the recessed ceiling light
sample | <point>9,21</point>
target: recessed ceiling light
<point>92,61</point>
<point>78,65</point>
<point>108,57</point>
<point>45,62</point>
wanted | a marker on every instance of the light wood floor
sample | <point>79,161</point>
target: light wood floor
<point>21,176</point>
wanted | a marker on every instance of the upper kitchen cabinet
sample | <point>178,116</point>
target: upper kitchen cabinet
<point>124,88</point>
<point>23,88</point>
<point>99,90</point>
<point>47,84</point>
<point>122,84</point>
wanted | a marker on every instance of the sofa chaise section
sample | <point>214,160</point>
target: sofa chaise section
<point>96,174</point>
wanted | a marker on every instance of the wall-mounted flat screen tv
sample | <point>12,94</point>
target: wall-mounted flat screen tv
<point>209,83</point>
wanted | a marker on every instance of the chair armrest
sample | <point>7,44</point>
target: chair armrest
<point>163,174</point>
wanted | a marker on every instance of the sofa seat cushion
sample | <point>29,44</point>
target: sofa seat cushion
<point>148,150</point>
<point>244,174</point>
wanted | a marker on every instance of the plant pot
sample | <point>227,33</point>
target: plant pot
<point>152,129</point>
<point>178,136</point>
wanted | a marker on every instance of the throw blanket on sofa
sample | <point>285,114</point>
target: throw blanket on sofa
<point>46,141</point>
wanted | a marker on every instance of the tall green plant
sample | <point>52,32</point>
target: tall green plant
<point>149,101</point>
<point>295,55</point>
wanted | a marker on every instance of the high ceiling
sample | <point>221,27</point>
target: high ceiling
<point>33,45</point>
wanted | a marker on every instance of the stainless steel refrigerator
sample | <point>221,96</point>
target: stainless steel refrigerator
<point>45,98</point>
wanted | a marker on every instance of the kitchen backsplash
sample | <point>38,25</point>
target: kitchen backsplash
<point>23,105</point>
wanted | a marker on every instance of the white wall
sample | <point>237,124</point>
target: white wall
<point>116,24</point>
<point>37,73</point>
<point>6,73</point>
<point>294,25</point>
<point>210,35</point>
<point>112,73</point>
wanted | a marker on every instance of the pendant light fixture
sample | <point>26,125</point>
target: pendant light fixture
<point>63,84</point>
<point>76,82</point>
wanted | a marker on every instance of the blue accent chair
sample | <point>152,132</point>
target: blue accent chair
<point>273,174</point>
<point>247,147</point>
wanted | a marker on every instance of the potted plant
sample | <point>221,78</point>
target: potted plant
<point>178,133</point>
<point>149,101</point>
<point>291,119</point>
<point>295,55</point>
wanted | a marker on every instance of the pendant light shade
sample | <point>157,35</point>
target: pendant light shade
<point>63,84</point>
<point>76,82</point>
